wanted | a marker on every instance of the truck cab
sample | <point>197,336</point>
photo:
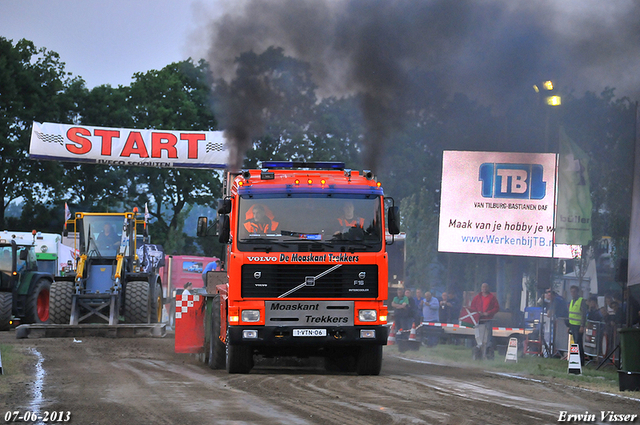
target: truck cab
<point>306,266</point>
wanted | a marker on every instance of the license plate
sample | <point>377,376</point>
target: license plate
<point>309,332</point>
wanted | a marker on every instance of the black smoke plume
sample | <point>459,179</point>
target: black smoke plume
<point>399,55</point>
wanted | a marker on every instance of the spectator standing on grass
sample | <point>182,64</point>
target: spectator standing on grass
<point>401,313</point>
<point>446,309</point>
<point>419,301</point>
<point>486,304</point>
<point>456,305</point>
<point>593,313</point>
<point>577,317</point>
<point>412,307</point>
<point>431,308</point>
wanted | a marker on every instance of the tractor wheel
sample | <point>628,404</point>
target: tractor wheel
<point>156,304</point>
<point>369,360</point>
<point>60,298</point>
<point>136,304</point>
<point>6,306</point>
<point>217,354</point>
<point>37,310</point>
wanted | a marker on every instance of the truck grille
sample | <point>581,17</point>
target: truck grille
<point>273,280</point>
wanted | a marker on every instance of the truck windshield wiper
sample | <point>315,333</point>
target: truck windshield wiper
<point>310,281</point>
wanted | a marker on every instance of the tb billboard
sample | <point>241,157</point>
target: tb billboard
<point>498,203</point>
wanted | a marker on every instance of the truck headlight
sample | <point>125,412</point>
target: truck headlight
<point>367,315</point>
<point>250,315</point>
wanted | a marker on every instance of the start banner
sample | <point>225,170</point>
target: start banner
<point>129,147</point>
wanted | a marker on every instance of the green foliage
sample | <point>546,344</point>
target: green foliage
<point>32,87</point>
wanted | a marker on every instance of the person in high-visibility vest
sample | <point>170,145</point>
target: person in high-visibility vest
<point>577,317</point>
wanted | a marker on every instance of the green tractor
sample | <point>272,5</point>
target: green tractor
<point>24,291</point>
<point>115,279</point>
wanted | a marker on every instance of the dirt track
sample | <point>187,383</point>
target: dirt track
<point>142,381</point>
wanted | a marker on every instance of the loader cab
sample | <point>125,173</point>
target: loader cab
<point>101,236</point>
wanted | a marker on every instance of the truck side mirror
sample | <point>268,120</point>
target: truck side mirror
<point>224,206</point>
<point>223,230</point>
<point>23,254</point>
<point>393,215</point>
<point>202,226</point>
<point>65,232</point>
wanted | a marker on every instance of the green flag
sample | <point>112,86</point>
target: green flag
<point>573,216</point>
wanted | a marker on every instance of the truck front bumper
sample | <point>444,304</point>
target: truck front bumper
<point>336,336</point>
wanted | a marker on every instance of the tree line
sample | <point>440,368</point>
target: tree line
<point>301,125</point>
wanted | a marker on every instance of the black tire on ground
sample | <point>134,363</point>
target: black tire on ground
<point>369,360</point>
<point>155,300</point>
<point>37,308</point>
<point>340,361</point>
<point>6,307</point>
<point>136,304</point>
<point>239,358</point>
<point>60,297</point>
<point>217,349</point>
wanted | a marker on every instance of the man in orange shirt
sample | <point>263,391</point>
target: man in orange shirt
<point>260,222</point>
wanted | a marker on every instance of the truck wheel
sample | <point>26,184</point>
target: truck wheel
<point>6,305</point>
<point>369,360</point>
<point>136,304</point>
<point>156,304</point>
<point>217,350</point>
<point>37,310</point>
<point>340,361</point>
<point>60,298</point>
<point>239,358</point>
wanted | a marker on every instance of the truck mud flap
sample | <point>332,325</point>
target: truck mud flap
<point>153,330</point>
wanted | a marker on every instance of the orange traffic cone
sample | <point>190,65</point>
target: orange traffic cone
<point>412,334</point>
<point>391,340</point>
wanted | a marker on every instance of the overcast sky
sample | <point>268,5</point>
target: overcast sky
<point>106,42</point>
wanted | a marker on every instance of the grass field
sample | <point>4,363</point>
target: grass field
<point>551,369</point>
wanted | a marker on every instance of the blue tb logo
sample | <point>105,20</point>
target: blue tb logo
<point>517,181</point>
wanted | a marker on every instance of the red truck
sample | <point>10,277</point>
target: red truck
<point>305,270</point>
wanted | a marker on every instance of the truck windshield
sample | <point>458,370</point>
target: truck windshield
<point>310,222</point>
<point>102,235</point>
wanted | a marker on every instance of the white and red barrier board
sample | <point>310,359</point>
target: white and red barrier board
<point>189,322</point>
<point>130,147</point>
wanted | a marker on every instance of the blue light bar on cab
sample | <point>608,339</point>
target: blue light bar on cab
<point>317,165</point>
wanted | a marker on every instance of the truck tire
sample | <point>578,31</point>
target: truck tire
<point>156,304</point>
<point>37,308</point>
<point>60,298</point>
<point>239,358</point>
<point>6,307</point>
<point>217,349</point>
<point>369,360</point>
<point>136,304</point>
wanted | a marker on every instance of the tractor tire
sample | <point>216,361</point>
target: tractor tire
<point>60,299</point>
<point>369,360</point>
<point>37,308</point>
<point>136,304</point>
<point>155,308</point>
<point>217,349</point>
<point>6,307</point>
